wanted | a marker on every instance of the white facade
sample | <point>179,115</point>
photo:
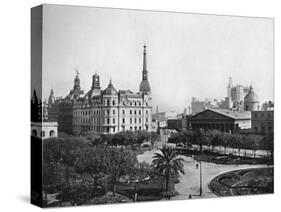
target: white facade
<point>44,129</point>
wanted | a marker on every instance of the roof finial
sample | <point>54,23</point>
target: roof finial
<point>76,69</point>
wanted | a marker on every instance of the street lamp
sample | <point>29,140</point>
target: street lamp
<point>200,189</point>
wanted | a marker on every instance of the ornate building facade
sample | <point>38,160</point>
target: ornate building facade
<point>106,111</point>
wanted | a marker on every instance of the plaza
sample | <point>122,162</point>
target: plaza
<point>190,182</point>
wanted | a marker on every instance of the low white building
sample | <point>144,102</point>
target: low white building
<point>44,129</point>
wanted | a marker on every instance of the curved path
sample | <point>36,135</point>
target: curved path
<point>189,183</point>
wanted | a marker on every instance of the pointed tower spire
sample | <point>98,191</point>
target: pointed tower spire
<point>144,86</point>
<point>144,70</point>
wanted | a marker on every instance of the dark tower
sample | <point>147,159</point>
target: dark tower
<point>52,99</point>
<point>96,81</point>
<point>144,86</point>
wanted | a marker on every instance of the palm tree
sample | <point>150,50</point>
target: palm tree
<point>168,164</point>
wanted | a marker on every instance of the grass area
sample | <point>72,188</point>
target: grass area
<point>243,182</point>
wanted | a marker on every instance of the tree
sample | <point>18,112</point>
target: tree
<point>253,142</point>
<point>168,164</point>
<point>267,144</point>
<point>121,162</point>
<point>237,142</point>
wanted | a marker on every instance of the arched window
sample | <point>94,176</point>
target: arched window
<point>113,102</point>
<point>108,102</point>
<point>52,133</point>
<point>34,133</point>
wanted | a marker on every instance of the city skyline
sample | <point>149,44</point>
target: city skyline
<point>206,51</point>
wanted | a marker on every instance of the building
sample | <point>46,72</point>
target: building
<point>263,122</point>
<point>41,126</point>
<point>198,106</point>
<point>224,120</point>
<point>251,101</point>
<point>235,96</point>
<point>268,105</point>
<point>108,110</point>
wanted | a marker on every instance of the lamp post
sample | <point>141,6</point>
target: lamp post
<point>200,189</point>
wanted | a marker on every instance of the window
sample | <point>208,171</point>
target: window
<point>108,112</point>
<point>136,128</point>
<point>113,129</point>
<point>108,120</point>
<point>146,120</point>
<point>130,112</point>
<point>146,112</point>
<point>113,112</point>
<point>42,134</point>
<point>131,121</point>
<point>123,121</point>
<point>140,112</point>
<point>135,120</point>
<point>135,103</point>
<point>131,128</point>
<point>123,112</point>
<point>139,103</point>
<point>113,120</point>
<point>113,102</point>
<point>139,128</point>
<point>108,102</point>
<point>140,120</point>
<point>135,112</point>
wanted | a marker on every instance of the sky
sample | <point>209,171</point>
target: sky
<point>188,55</point>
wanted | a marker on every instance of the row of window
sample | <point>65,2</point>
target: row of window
<point>106,112</point>
<point>106,129</point>
<point>107,121</point>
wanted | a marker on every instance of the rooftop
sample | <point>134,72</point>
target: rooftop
<point>233,114</point>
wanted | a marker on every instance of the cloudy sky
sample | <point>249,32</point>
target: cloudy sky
<point>187,54</point>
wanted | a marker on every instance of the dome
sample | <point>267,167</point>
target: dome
<point>110,90</point>
<point>251,97</point>
<point>145,87</point>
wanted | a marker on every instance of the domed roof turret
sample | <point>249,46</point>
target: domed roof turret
<point>251,97</point>
<point>144,86</point>
<point>110,90</point>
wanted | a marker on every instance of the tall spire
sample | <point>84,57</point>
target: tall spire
<point>144,86</point>
<point>144,70</point>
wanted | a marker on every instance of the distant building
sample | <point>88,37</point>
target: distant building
<point>251,101</point>
<point>235,95</point>
<point>224,120</point>
<point>263,122</point>
<point>268,105</point>
<point>175,124</point>
<point>161,118</point>
<point>198,106</point>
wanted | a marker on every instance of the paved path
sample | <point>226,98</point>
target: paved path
<point>189,183</point>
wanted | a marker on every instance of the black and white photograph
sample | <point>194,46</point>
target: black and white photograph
<point>130,106</point>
